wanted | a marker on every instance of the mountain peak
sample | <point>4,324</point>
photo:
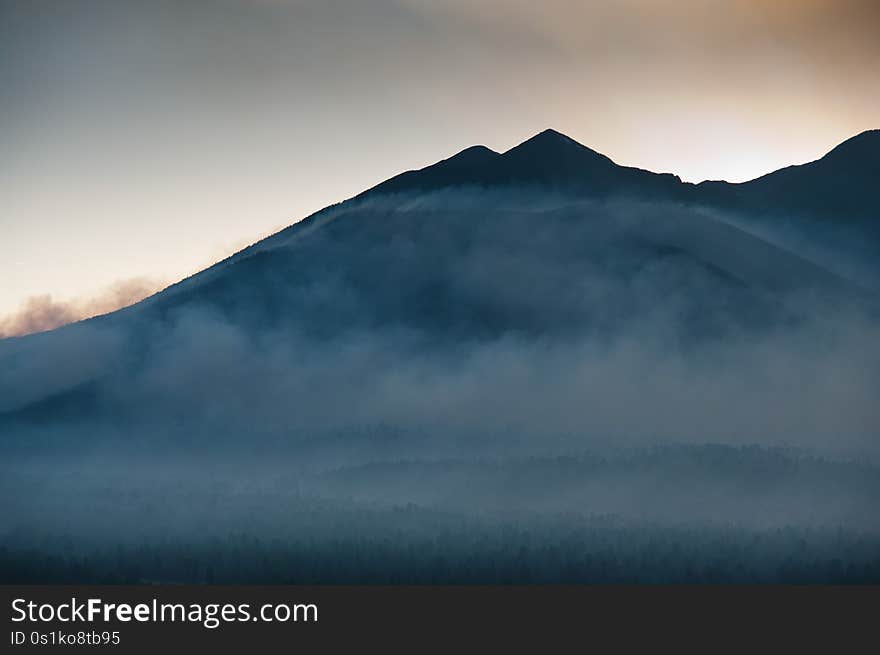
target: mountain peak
<point>549,159</point>
<point>550,141</point>
<point>554,159</point>
<point>473,153</point>
<point>464,167</point>
<point>862,149</point>
<point>553,135</point>
<point>868,136</point>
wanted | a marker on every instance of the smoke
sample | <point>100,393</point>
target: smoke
<point>807,387</point>
<point>514,318</point>
<point>42,313</point>
<point>493,356</point>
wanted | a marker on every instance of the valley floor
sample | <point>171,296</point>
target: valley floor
<point>689,514</point>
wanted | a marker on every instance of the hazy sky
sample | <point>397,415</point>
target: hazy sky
<point>149,139</point>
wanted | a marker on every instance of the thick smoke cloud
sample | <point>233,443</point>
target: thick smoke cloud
<point>41,313</point>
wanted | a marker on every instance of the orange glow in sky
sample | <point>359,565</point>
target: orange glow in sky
<point>147,140</point>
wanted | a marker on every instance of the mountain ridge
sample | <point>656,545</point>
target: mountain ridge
<point>841,183</point>
<point>548,158</point>
<point>553,160</point>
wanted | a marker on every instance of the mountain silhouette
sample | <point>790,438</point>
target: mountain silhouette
<point>547,240</point>
<point>618,366</point>
<point>841,185</point>
<point>549,159</point>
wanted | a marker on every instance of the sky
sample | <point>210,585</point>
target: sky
<point>141,141</point>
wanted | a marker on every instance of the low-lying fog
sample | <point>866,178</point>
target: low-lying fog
<point>503,360</point>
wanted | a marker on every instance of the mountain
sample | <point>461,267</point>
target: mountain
<point>841,185</point>
<point>533,366</point>
<point>547,241</point>
<point>549,160</point>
